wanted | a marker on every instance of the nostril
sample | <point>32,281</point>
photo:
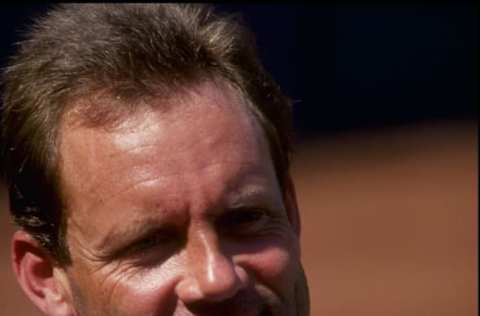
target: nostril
<point>188,291</point>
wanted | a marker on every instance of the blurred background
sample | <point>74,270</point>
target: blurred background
<point>387,151</point>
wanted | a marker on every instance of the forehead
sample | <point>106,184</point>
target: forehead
<point>206,126</point>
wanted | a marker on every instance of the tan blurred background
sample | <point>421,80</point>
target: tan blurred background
<point>390,223</point>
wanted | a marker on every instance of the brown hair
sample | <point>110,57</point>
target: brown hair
<point>129,50</point>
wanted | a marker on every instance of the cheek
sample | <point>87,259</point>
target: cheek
<point>272,262</point>
<point>129,292</point>
<point>149,293</point>
<point>274,267</point>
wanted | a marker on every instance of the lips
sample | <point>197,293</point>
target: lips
<point>243,304</point>
<point>229,312</point>
<point>232,311</point>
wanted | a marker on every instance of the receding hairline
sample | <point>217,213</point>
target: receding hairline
<point>104,108</point>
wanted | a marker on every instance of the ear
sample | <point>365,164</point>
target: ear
<point>41,280</point>
<point>290,200</point>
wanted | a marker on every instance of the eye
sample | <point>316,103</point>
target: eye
<point>148,243</point>
<point>160,242</point>
<point>244,221</point>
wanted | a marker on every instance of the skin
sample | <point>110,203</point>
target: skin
<point>178,212</point>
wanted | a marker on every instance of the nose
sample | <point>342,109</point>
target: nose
<point>209,275</point>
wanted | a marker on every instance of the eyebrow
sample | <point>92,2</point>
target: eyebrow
<point>257,191</point>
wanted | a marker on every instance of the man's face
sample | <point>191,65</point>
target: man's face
<point>179,212</point>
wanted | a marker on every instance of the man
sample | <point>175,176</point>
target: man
<point>146,152</point>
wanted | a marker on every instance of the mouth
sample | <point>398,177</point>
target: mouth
<point>265,312</point>
<point>243,304</point>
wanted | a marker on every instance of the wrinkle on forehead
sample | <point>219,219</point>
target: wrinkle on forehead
<point>130,134</point>
<point>119,149</point>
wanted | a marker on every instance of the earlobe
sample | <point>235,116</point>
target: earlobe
<point>38,277</point>
<point>290,199</point>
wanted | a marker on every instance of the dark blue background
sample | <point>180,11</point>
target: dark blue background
<point>352,66</point>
